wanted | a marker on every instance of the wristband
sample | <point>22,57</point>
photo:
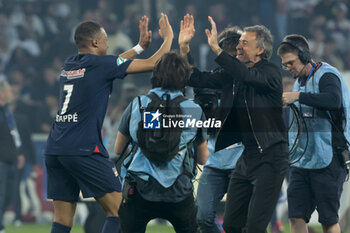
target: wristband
<point>138,49</point>
<point>218,50</point>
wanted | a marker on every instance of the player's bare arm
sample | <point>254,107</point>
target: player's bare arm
<point>144,40</point>
<point>120,143</point>
<point>166,33</point>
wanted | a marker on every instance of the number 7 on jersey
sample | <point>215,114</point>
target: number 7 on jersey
<point>69,89</point>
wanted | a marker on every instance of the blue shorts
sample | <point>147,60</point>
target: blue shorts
<point>316,189</point>
<point>93,175</point>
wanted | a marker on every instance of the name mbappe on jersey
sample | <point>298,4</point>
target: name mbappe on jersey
<point>67,118</point>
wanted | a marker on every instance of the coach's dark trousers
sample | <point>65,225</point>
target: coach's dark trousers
<point>254,190</point>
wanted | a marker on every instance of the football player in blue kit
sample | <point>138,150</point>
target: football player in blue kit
<point>75,157</point>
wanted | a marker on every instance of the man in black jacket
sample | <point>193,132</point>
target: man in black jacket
<point>10,145</point>
<point>219,168</point>
<point>255,118</point>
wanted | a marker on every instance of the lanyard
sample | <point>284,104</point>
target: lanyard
<point>311,72</point>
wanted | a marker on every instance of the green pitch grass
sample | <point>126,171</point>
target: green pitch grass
<point>35,228</point>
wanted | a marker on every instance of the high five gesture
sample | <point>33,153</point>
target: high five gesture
<point>187,32</point>
<point>213,37</point>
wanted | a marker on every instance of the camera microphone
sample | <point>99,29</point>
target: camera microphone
<point>298,75</point>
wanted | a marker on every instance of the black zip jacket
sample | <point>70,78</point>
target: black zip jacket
<point>255,115</point>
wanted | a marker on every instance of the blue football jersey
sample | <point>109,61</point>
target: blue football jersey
<point>85,85</point>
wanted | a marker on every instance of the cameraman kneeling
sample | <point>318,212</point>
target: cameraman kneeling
<point>161,189</point>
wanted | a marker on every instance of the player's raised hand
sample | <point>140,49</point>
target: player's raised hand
<point>187,30</point>
<point>212,35</point>
<point>165,29</point>
<point>145,34</point>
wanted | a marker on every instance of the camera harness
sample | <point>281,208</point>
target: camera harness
<point>300,121</point>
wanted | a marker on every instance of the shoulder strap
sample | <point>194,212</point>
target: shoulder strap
<point>153,96</point>
<point>178,99</point>
<point>140,105</point>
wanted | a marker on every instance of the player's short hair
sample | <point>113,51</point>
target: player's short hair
<point>171,72</point>
<point>85,32</point>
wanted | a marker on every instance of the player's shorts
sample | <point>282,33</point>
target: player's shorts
<point>316,189</point>
<point>93,175</point>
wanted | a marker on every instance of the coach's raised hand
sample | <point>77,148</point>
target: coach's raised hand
<point>187,32</point>
<point>213,37</point>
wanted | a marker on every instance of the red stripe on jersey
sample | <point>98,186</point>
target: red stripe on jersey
<point>96,150</point>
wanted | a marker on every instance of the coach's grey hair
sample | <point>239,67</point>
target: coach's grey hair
<point>264,38</point>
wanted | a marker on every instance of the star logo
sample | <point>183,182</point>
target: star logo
<point>156,115</point>
<point>151,120</point>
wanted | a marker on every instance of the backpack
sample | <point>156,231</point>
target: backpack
<point>162,144</point>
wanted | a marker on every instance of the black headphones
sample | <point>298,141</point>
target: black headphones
<point>235,36</point>
<point>304,55</point>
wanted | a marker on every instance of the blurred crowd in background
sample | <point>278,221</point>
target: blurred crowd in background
<point>37,35</point>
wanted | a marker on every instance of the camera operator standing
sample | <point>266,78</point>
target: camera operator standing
<point>161,189</point>
<point>316,180</point>
<point>255,118</point>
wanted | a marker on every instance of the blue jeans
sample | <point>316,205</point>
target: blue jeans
<point>211,189</point>
<point>7,175</point>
